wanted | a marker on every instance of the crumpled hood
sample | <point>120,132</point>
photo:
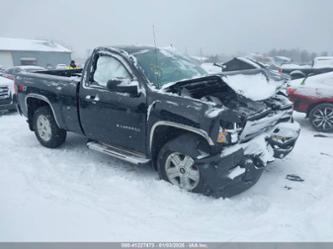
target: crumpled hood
<point>255,86</point>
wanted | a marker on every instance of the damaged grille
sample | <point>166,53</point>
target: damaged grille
<point>4,92</point>
<point>257,126</point>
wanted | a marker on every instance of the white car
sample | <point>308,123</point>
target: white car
<point>7,94</point>
<point>323,62</point>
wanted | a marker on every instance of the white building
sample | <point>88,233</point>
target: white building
<point>17,52</point>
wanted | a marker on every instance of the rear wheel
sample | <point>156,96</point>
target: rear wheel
<point>46,129</point>
<point>321,117</point>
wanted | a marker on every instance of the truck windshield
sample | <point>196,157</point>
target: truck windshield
<point>162,66</point>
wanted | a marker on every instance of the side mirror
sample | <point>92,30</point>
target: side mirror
<point>113,84</point>
<point>123,86</point>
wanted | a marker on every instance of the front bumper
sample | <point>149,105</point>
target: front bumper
<point>8,106</point>
<point>231,174</point>
<point>8,102</point>
<point>240,166</point>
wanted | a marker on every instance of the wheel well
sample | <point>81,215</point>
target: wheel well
<point>164,134</point>
<point>32,105</point>
<point>314,105</point>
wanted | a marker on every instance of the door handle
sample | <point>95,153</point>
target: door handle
<point>92,98</point>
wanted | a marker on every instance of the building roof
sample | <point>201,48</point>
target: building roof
<point>13,44</point>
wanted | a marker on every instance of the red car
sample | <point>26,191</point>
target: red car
<point>314,96</point>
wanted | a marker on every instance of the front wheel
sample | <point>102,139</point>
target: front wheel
<point>46,129</point>
<point>176,164</point>
<point>181,171</point>
<point>321,117</point>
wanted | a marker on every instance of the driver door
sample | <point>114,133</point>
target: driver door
<point>108,116</point>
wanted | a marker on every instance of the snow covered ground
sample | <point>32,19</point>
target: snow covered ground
<point>73,194</point>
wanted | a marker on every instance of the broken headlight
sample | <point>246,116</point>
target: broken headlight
<point>229,136</point>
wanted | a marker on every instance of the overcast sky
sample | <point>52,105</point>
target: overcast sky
<point>214,26</point>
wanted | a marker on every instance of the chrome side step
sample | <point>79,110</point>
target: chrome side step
<point>125,155</point>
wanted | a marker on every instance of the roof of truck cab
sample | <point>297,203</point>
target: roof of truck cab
<point>132,49</point>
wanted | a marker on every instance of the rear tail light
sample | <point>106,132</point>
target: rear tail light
<point>291,90</point>
<point>20,88</point>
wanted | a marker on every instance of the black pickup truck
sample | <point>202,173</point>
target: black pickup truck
<point>154,106</point>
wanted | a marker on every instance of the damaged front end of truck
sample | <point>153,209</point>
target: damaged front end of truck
<point>252,131</point>
<point>228,126</point>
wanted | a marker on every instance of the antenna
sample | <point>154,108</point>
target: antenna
<point>154,36</point>
<point>156,58</point>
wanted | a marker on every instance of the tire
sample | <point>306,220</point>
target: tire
<point>321,117</point>
<point>46,129</point>
<point>186,175</point>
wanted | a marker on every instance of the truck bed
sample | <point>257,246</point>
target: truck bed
<point>59,88</point>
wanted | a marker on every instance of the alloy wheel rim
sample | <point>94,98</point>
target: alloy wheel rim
<point>323,118</point>
<point>182,171</point>
<point>44,128</point>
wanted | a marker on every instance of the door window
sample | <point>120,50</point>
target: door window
<point>28,61</point>
<point>108,68</point>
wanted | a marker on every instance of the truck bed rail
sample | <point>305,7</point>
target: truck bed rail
<point>62,72</point>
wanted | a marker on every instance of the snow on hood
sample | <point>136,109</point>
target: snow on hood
<point>5,82</point>
<point>254,86</point>
<point>324,79</point>
<point>320,85</point>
